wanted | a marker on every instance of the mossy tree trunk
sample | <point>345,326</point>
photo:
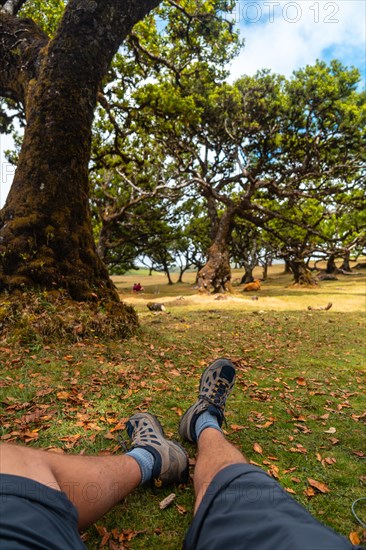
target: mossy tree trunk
<point>346,262</point>
<point>302,275</point>
<point>331,265</point>
<point>248,275</point>
<point>215,275</point>
<point>46,236</point>
<point>287,268</point>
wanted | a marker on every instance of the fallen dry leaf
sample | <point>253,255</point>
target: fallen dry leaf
<point>236,427</point>
<point>175,372</point>
<point>257,448</point>
<point>298,449</point>
<point>309,492</point>
<point>108,435</point>
<point>181,509</point>
<point>274,471</point>
<point>255,463</point>
<point>290,470</point>
<point>31,417</point>
<point>303,428</point>
<point>331,430</point>
<point>42,393</point>
<point>359,453</point>
<point>318,485</point>
<point>29,436</point>
<point>129,534</point>
<point>354,538</point>
<point>116,546</point>
<point>70,440</point>
<point>63,395</point>
<point>128,394</point>
<point>104,534</point>
<point>265,425</point>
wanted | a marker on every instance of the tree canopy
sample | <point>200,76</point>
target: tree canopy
<point>184,164</point>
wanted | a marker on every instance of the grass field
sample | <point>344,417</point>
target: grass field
<point>300,394</point>
<point>278,294</point>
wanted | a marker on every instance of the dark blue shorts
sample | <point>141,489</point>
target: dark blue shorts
<point>35,516</point>
<point>245,509</point>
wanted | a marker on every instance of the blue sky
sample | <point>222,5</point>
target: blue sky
<point>283,36</point>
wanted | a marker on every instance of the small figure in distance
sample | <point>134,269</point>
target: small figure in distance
<point>256,285</point>
<point>137,288</point>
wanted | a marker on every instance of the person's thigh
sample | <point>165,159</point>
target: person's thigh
<point>33,515</point>
<point>246,509</point>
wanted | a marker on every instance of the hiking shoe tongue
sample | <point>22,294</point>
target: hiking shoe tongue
<point>216,384</point>
<point>171,460</point>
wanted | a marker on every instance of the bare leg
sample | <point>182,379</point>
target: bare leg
<point>93,484</point>
<point>214,454</point>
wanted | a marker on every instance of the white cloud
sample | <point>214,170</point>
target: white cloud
<point>289,35</point>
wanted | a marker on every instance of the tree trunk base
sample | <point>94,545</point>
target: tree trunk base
<point>303,284</point>
<point>38,254</point>
<point>302,275</point>
<point>216,274</point>
<point>247,278</point>
<point>30,317</point>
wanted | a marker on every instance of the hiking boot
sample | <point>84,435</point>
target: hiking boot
<point>216,384</point>
<point>171,460</point>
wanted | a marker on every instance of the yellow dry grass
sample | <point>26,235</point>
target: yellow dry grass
<point>277,293</point>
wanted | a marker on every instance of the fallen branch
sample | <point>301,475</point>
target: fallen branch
<point>320,308</point>
<point>167,501</point>
<point>155,306</point>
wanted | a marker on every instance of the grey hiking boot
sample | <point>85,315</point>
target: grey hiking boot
<point>171,460</point>
<point>217,382</point>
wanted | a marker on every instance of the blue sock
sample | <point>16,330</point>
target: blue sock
<point>146,462</point>
<point>206,420</point>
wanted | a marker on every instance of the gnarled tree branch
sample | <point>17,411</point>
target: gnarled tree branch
<point>11,6</point>
<point>21,43</point>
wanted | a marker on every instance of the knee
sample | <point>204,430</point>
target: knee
<point>22,461</point>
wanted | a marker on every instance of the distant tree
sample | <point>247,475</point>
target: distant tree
<point>245,249</point>
<point>153,92</point>
<point>281,142</point>
<point>249,248</point>
<point>262,142</point>
<point>193,244</point>
<point>162,240</point>
<point>298,236</point>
